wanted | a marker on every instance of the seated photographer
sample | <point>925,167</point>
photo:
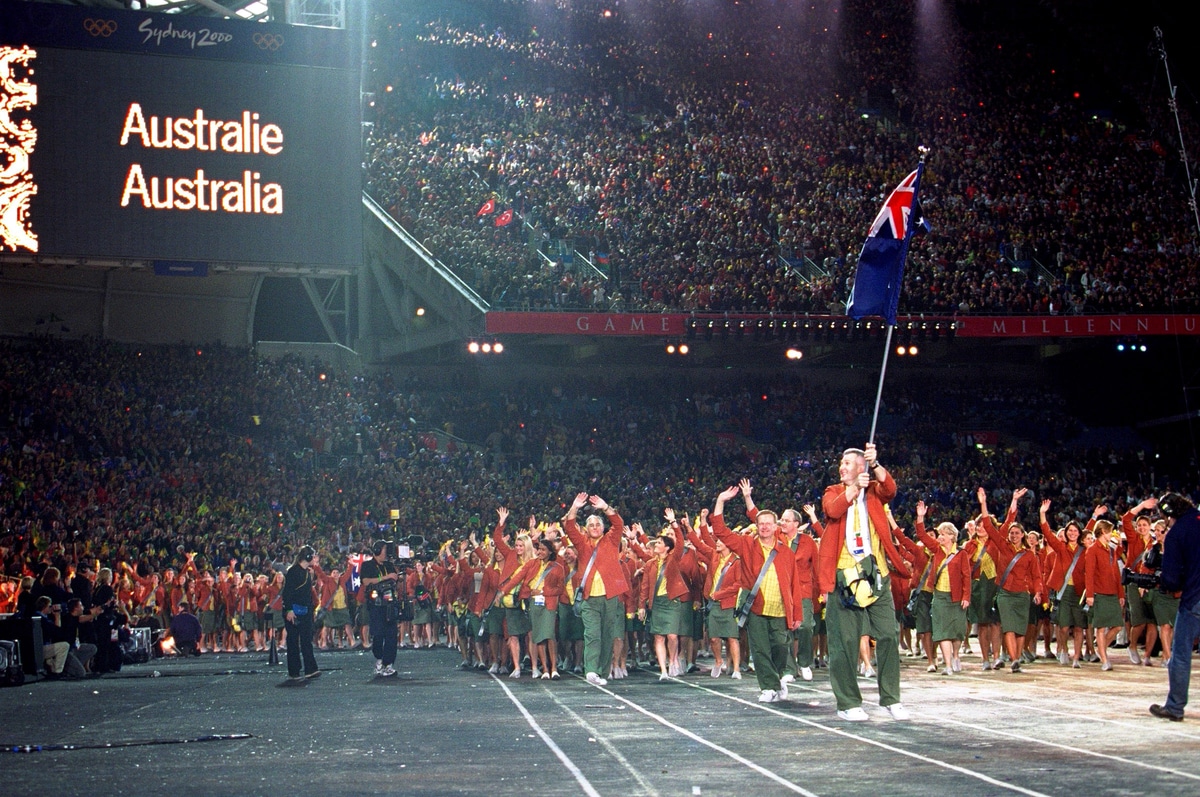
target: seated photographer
<point>186,631</point>
<point>81,654</point>
<point>54,647</point>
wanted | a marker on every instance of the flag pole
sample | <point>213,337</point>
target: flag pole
<point>895,300</point>
<point>887,348</point>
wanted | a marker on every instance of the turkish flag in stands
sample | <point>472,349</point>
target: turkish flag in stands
<point>487,208</point>
<point>504,218</point>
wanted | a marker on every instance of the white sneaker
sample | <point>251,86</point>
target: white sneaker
<point>856,714</point>
<point>388,671</point>
<point>1134,658</point>
<point>736,675</point>
<point>898,711</point>
<point>534,673</point>
<point>596,680</point>
<point>870,673</point>
<point>787,678</point>
<point>516,673</point>
<point>956,665</point>
<point>662,676</point>
<point>716,671</point>
<point>378,666</point>
<point>768,696</point>
<point>783,691</point>
<point>495,668</point>
<point>806,673</point>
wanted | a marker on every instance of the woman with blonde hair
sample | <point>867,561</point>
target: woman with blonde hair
<point>516,619</point>
<point>949,580</point>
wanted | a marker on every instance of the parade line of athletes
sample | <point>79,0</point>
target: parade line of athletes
<point>779,595</point>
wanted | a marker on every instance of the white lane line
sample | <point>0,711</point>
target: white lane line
<point>1023,706</point>
<point>1026,706</point>
<point>647,787</point>
<point>583,782</point>
<point>874,742</point>
<point>787,784</point>
<point>1070,748</point>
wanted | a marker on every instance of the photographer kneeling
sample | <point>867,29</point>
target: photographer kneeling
<point>1180,571</point>
<point>380,581</point>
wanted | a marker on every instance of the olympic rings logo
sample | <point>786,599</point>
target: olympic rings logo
<point>268,41</point>
<point>100,27</point>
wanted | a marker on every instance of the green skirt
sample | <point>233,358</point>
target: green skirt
<point>1165,606</point>
<point>664,616</point>
<point>922,603</point>
<point>337,618</point>
<point>493,621</point>
<point>570,627</point>
<point>1070,610</point>
<point>1106,612</point>
<point>1014,611</point>
<point>687,621</point>
<point>949,618</point>
<point>721,623</point>
<point>516,622</point>
<point>1140,608</point>
<point>983,602</point>
<point>543,621</point>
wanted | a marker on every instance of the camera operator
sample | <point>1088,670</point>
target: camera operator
<point>381,582</point>
<point>1180,571</point>
<point>297,599</point>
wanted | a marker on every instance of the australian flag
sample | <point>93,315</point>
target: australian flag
<point>880,271</point>
<point>356,562</point>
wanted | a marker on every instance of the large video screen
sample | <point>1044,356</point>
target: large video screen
<point>167,138</point>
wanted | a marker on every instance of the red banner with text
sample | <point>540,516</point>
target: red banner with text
<point>677,324</point>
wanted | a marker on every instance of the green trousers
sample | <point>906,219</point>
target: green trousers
<point>769,646</point>
<point>844,628</point>
<point>603,621</point>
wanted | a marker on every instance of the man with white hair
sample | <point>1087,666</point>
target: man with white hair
<point>855,559</point>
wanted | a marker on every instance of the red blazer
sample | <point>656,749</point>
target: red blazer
<point>608,560</point>
<point>959,567</point>
<point>551,587</point>
<point>1104,571</point>
<point>919,558</point>
<point>488,588</point>
<point>677,588</point>
<point>1026,575</point>
<point>806,554</point>
<point>836,506</point>
<point>730,584</point>
<point>750,552</point>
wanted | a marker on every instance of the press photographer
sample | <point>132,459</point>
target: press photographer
<point>297,598</point>
<point>385,591</point>
<point>1180,571</point>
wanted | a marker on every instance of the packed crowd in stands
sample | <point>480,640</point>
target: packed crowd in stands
<point>673,158</point>
<point>163,465</point>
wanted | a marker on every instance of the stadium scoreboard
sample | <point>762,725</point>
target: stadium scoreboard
<point>177,139</point>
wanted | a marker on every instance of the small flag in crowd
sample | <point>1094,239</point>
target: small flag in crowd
<point>880,270</point>
<point>356,561</point>
<point>602,258</point>
<point>487,208</point>
<point>504,218</point>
